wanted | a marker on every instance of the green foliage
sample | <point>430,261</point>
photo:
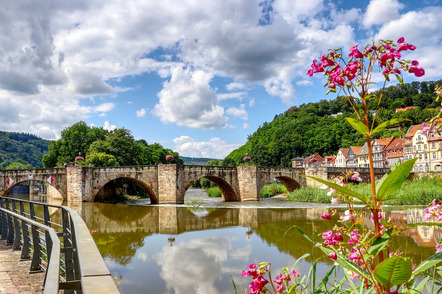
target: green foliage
<point>23,148</point>
<point>214,192</point>
<point>18,165</point>
<point>74,140</point>
<point>310,128</point>
<point>413,192</point>
<point>272,190</point>
<point>119,144</point>
<point>100,159</point>
<point>393,271</point>
<point>309,194</point>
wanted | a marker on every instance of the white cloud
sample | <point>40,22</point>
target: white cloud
<point>239,112</point>
<point>105,107</point>
<point>381,11</point>
<point>188,100</point>
<point>235,86</point>
<point>108,126</point>
<point>235,95</point>
<point>422,29</point>
<point>252,102</point>
<point>141,113</point>
<point>214,148</point>
<point>245,126</point>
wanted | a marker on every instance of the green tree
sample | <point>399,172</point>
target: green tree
<point>74,140</point>
<point>18,165</point>
<point>100,159</point>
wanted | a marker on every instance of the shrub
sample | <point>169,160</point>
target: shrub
<point>309,194</point>
<point>272,189</point>
<point>214,192</point>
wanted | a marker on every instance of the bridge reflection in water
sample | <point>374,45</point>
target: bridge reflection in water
<point>170,249</point>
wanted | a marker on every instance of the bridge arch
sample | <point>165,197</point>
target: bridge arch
<point>289,183</point>
<point>51,191</point>
<point>147,187</point>
<point>228,193</point>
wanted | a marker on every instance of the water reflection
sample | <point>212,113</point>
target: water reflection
<point>170,249</point>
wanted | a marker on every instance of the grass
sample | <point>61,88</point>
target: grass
<point>267,191</point>
<point>214,192</point>
<point>415,192</point>
<point>272,190</point>
<point>309,194</point>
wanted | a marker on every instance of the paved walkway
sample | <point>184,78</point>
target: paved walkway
<point>14,274</point>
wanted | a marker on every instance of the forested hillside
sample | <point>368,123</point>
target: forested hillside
<point>20,147</point>
<point>311,128</point>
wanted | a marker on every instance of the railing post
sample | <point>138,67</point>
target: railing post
<point>26,246</point>
<point>3,228</point>
<point>47,222</point>
<point>36,255</point>
<point>67,246</point>
<point>17,229</point>
<point>10,237</point>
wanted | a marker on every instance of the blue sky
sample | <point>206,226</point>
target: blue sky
<point>195,76</point>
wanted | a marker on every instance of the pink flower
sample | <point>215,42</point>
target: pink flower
<point>438,248</point>
<point>354,52</point>
<point>401,40</point>
<point>333,255</point>
<point>326,62</point>
<point>327,235</point>
<point>295,273</point>
<point>356,177</point>
<point>347,216</point>
<point>354,238</point>
<point>257,285</point>
<point>335,201</point>
<point>338,237</point>
<point>425,129</point>
<point>326,216</point>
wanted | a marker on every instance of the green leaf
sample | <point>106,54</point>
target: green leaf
<point>346,263</point>
<point>302,233</point>
<point>379,183</point>
<point>342,190</point>
<point>395,179</point>
<point>358,125</point>
<point>399,78</point>
<point>393,271</point>
<point>388,123</point>
<point>425,224</point>
<point>380,243</point>
<point>428,263</point>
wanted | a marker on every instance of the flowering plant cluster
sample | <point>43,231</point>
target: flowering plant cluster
<point>284,282</point>
<point>359,242</point>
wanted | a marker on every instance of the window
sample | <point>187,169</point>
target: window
<point>419,137</point>
<point>434,155</point>
<point>433,145</point>
<point>425,147</point>
<point>419,147</point>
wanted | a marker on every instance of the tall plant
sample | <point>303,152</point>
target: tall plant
<point>362,249</point>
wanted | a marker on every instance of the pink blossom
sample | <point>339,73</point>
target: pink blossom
<point>401,40</point>
<point>295,273</point>
<point>354,52</point>
<point>338,237</point>
<point>355,177</point>
<point>425,129</point>
<point>347,216</point>
<point>327,235</point>
<point>438,248</point>
<point>333,255</point>
<point>326,62</point>
<point>257,285</point>
<point>353,275</point>
<point>326,216</point>
<point>335,201</point>
<point>354,238</point>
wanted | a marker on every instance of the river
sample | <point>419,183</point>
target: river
<point>203,247</point>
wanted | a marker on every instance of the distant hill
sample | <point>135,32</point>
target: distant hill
<point>321,127</point>
<point>23,148</point>
<point>195,161</point>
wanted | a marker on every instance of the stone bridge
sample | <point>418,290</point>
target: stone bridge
<point>164,183</point>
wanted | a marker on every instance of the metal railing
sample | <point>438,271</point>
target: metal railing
<point>65,250</point>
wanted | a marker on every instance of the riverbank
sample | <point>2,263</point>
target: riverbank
<point>14,274</point>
